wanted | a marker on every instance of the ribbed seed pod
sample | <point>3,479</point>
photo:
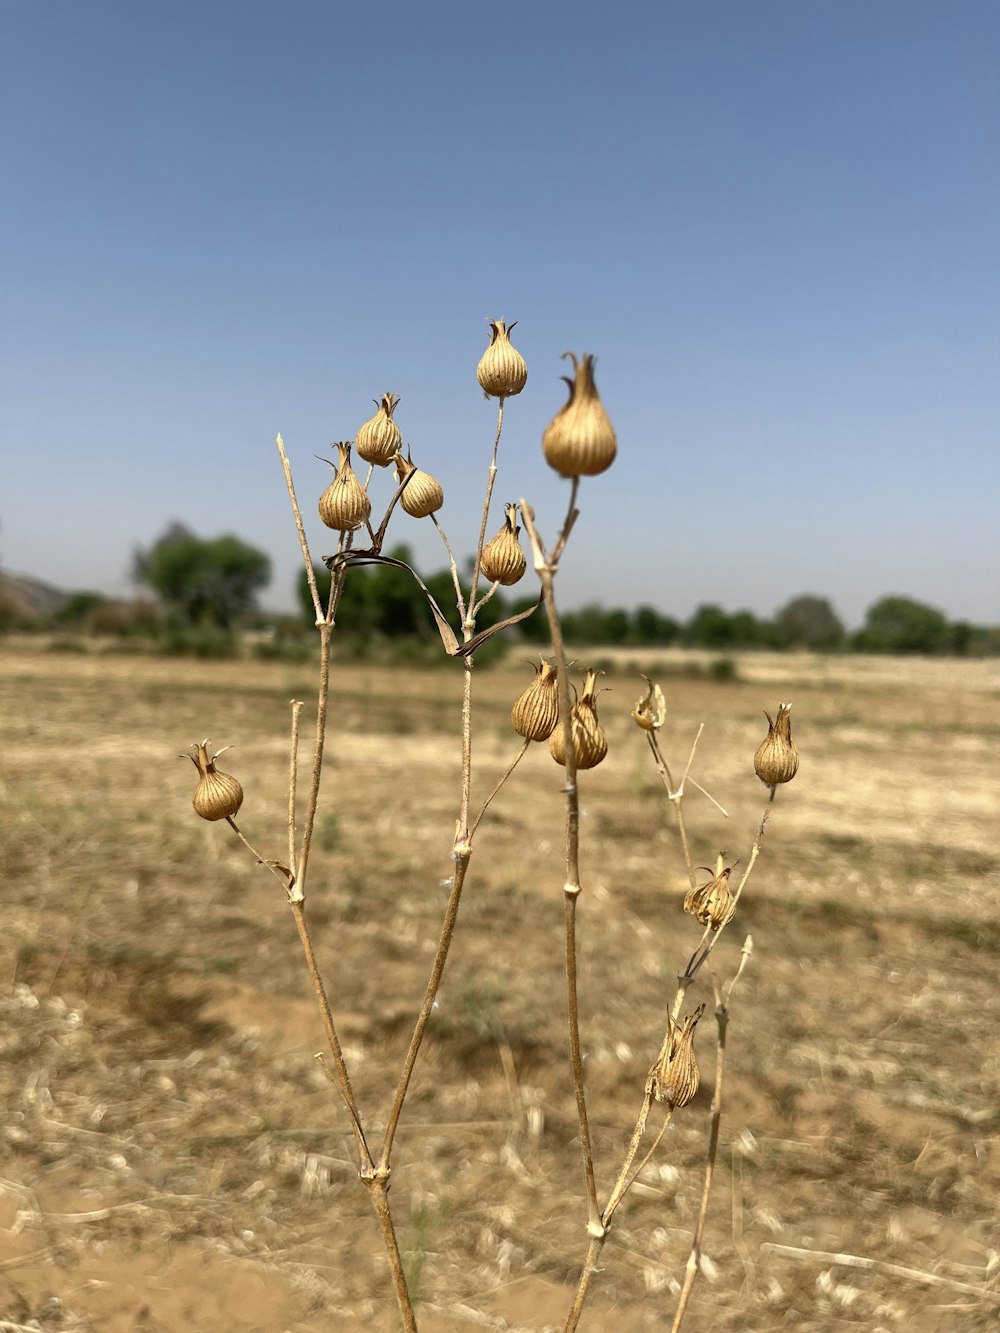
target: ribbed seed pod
<point>217,795</point>
<point>536,711</point>
<point>713,903</point>
<point>379,440</point>
<point>777,759</point>
<point>580,441</point>
<point>502,371</point>
<point>423,495</point>
<point>676,1077</point>
<point>503,560</point>
<point>590,744</point>
<point>344,505</point>
<point>650,712</point>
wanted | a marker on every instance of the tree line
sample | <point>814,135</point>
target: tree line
<point>207,589</point>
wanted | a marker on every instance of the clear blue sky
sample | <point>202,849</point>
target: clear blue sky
<point>775,222</point>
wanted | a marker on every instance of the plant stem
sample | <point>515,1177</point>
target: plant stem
<point>546,569</point>
<point>462,850</point>
<point>310,572</point>
<point>675,799</point>
<point>340,1065</point>
<point>322,697</point>
<point>378,1190</point>
<point>486,508</point>
<point>594,1248</point>
<point>489,800</point>
<point>293,780</point>
<point>430,995</point>
<point>466,801</point>
<point>694,1258</point>
<point>376,1180</point>
<point>620,1188</point>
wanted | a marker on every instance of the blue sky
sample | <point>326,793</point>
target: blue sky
<point>775,222</point>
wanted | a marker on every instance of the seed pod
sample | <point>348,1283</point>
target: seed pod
<point>676,1076</point>
<point>423,495</point>
<point>590,744</point>
<point>344,505</point>
<point>579,441</point>
<point>650,712</point>
<point>502,371</point>
<point>503,560</point>
<point>379,440</point>
<point>713,903</point>
<point>777,759</point>
<point>536,711</point>
<point>217,795</point>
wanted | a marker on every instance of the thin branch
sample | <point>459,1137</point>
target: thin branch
<point>430,995</point>
<point>491,478</point>
<point>378,1190</point>
<point>333,1041</point>
<point>675,797</point>
<point>310,572</point>
<point>459,597</point>
<point>322,699</point>
<point>293,777</point>
<point>489,800</point>
<point>594,1248</point>
<point>620,1188</point>
<point>546,568</point>
<point>693,1266</point>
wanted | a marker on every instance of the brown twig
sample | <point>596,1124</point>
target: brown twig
<point>546,568</point>
<point>293,778</point>
<point>310,572</point>
<point>722,1022</point>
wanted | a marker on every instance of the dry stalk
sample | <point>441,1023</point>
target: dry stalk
<point>579,441</point>
<point>546,568</point>
<point>693,1266</point>
<point>627,1177</point>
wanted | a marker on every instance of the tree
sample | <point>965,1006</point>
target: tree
<point>900,625</point>
<point>649,626</point>
<point>203,582</point>
<point>709,627</point>
<point>810,622</point>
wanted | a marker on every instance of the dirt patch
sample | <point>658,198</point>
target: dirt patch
<point>174,1158</point>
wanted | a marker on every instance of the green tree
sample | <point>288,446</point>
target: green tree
<point>206,583</point>
<point>709,627</point>
<point>901,625</point>
<point>810,622</point>
<point>650,627</point>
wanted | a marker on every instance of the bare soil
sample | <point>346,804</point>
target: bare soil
<point>173,1157</point>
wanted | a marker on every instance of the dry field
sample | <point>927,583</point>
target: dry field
<point>173,1158</point>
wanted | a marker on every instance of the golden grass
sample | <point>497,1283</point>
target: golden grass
<point>166,1130</point>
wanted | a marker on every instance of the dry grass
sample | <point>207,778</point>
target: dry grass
<point>173,1158</point>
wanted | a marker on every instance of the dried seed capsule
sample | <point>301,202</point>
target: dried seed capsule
<point>536,711</point>
<point>379,440</point>
<point>423,495</point>
<point>579,441</point>
<point>503,560</point>
<point>676,1076</point>
<point>344,505</point>
<point>777,759</point>
<point>590,744</point>
<point>502,371</point>
<point>650,712</point>
<point>713,903</point>
<point>217,795</point>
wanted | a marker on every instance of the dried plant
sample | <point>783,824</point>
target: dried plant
<point>579,442</point>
